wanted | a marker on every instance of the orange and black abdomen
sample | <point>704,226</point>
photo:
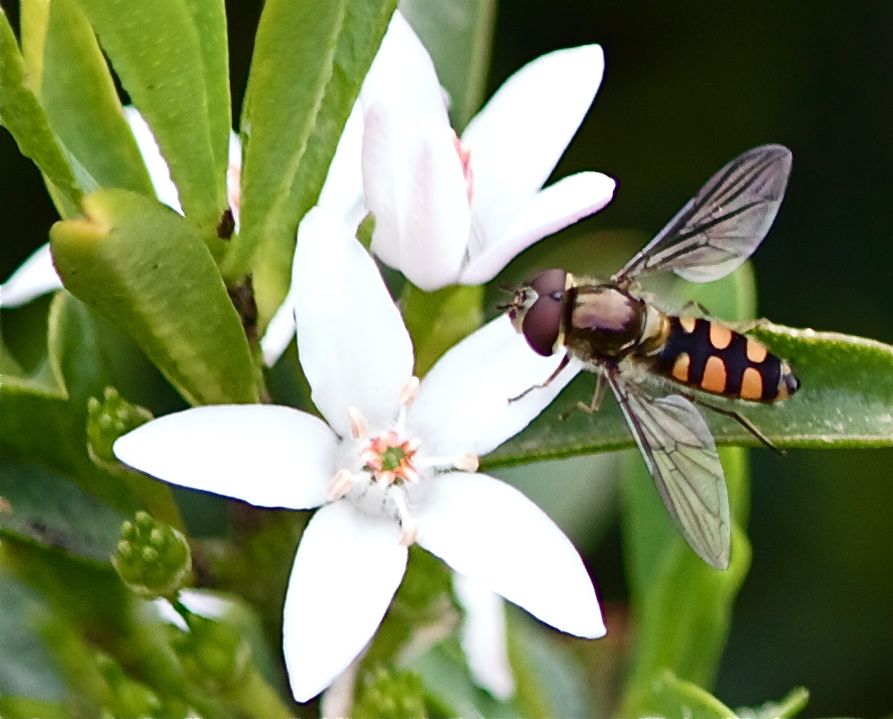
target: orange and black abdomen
<point>710,357</point>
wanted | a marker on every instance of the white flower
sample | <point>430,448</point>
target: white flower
<point>37,276</point>
<point>450,211</point>
<point>393,462</point>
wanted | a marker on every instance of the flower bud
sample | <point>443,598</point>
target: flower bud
<point>108,419</point>
<point>391,695</point>
<point>151,558</point>
<point>213,653</point>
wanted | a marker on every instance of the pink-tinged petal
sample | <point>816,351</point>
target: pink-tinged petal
<point>518,137</point>
<point>346,571</point>
<point>266,455</point>
<point>493,534</point>
<point>403,75</point>
<point>483,637</point>
<point>352,343</point>
<point>159,173</point>
<point>463,403</point>
<point>342,192</point>
<point>35,277</point>
<point>548,211</point>
<point>234,177</point>
<point>415,187</point>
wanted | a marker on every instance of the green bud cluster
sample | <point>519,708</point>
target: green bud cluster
<point>108,419</point>
<point>214,654</point>
<point>151,558</point>
<point>391,695</point>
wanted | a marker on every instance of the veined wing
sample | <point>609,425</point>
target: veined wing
<point>722,225</point>
<point>680,453</point>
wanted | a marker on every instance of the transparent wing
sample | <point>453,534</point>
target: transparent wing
<point>723,224</point>
<point>681,456</point>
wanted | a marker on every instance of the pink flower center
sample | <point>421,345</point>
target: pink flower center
<point>389,458</point>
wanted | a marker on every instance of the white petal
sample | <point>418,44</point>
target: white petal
<point>281,329</point>
<point>35,277</point>
<point>159,173</point>
<point>234,177</point>
<point>403,74</point>
<point>483,637</point>
<point>463,403</point>
<point>493,534</point>
<point>415,186</point>
<point>550,210</point>
<point>518,137</point>
<point>263,454</point>
<point>345,574</point>
<point>342,192</point>
<point>352,343</point>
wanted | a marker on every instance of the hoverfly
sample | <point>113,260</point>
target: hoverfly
<point>625,339</point>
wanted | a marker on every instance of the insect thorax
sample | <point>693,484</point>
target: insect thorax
<point>604,322</point>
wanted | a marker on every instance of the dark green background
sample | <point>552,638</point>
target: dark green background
<point>687,87</point>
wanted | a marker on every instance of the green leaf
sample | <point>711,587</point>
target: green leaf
<point>27,668</point>
<point>22,115</point>
<point>309,61</point>
<point>674,697</point>
<point>147,271</point>
<point>846,400</point>
<point>70,75</point>
<point>682,606</point>
<point>458,35</point>
<point>438,320</point>
<point>44,508</point>
<point>164,65</point>
<point>789,706</point>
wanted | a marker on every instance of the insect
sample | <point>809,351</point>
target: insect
<point>626,340</point>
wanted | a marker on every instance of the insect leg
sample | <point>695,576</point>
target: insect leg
<point>594,404</point>
<point>549,380</point>
<point>740,419</point>
<point>692,308</point>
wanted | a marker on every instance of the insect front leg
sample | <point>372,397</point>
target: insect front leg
<point>549,380</point>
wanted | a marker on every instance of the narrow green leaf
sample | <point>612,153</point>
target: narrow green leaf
<point>44,508</point>
<point>27,667</point>
<point>682,606</point>
<point>846,400</point>
<point>69,73</point>
<point>674,697</point>
<point>309,61</point>
<point>438,320</point>
<point>458,35</point>
<point>161,60</point>
<point>209,17</point>
<point>22,115</point>
<point>147,270</point>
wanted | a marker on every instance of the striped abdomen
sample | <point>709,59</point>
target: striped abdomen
<point>710,357</point>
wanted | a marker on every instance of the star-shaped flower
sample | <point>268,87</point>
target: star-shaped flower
<point>393,463</point>
<point>453,211</point>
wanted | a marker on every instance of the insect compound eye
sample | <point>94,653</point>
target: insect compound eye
<point>542,323</point>
<point>549,282</point>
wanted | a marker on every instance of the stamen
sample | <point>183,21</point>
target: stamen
<point>340,485</point>
<point>359,429</point>
<point>467,462</point>
<point>410,391</point>
<point>409,527</point>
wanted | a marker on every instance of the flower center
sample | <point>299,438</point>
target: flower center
<point>389,458</point>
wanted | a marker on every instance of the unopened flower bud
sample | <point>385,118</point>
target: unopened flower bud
<point>151,558</point>
<point>214,653</point>
<point>108,419</point>
<point>391,695</point>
